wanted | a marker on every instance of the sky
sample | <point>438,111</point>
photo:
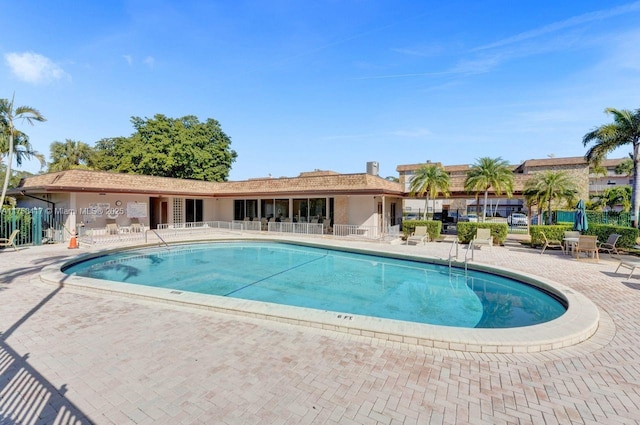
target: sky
<point>328,84</point>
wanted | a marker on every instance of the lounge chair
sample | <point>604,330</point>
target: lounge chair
<point>483,237</point>
<point>135,226</point>
<point>610,245</point>
<point>112,227</point>
<point>589,245</point>
<point>419,235</point>
<point>628,264</point>
<point>11,240</point>
<point>551,243</point>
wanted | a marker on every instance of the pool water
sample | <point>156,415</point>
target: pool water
<point>338,281</point>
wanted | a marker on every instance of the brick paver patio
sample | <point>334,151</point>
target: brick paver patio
<point>76,357</point>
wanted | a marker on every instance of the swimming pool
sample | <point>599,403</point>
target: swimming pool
<point>345,283</point>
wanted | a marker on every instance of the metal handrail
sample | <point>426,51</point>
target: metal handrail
<point>159,237</point>
<point>466,255</point>
<point>454,244</point>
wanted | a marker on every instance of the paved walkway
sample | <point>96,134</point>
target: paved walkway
<point>78,357</point>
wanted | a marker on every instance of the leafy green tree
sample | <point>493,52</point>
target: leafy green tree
<point>624,130</point>
<point>8,115</point>
<point>170,147</point>
<point>617,195</point>
<point>625,168</point>
<point>490,173</point>
<point>69,155</point>
<point>549,186</point>
<point>430,180</point>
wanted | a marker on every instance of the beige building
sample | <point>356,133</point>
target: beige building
<point>91,199</point>
<point>461,202</point>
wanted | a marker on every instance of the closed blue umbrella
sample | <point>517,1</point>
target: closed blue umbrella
<point>580,219</point>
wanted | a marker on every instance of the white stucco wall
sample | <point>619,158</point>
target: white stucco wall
<point>93,209</point>
<point>224,209</point>
<point>362,210</point>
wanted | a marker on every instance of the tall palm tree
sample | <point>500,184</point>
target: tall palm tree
<point>489,173</point>
<point>430,180</point>
<point>70,154</point>
<point>22,149</point>
<point>7,117</point>
<point>598,171</point>
<point>549,186</point>
<point>624,130</point>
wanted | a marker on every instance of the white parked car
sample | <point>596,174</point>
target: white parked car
<point>517,219</point>
<point>472,218</point>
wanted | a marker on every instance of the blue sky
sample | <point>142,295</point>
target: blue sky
<point>328,84</point>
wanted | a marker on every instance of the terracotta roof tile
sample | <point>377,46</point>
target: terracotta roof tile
<point>99,181</point>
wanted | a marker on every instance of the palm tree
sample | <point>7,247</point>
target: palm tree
<point>625,168</point>
<point>598,171</point>
<point>22,149</point>
<point>623,131</point>
<point>7,117</point>
<point>488,173</point>
<point>430,180</point>
<point>69,155</point>
<point>549,186</point>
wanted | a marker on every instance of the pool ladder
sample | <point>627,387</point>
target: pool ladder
<point>456,245</point>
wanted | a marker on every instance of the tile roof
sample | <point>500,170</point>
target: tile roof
<point>100,181</point>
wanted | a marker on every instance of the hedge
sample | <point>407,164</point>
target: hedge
<point>467,231</point>
<point>433,227</point>
<point>628,235</point>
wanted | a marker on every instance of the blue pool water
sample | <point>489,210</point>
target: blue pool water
<point>332,280</point>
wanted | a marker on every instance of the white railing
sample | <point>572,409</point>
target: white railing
<point>181,230</point>
<point>248,225</point>
<point>298,228</point>
<point>102,236</point>
<point>356,231</point>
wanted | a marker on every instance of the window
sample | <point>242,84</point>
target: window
<point>243,208</point>
<point>193,210</point>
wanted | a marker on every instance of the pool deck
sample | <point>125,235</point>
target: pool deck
<point>72,356</point>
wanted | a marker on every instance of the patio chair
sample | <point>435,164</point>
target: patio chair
<point>551,243</point>
<point>589,245</point>
<point>419,235</point>
<point>112,227</point>
<point>135,226</point>
<point>483,237</point>
<point>610,245</point>
<point>628,264</point>
<point>568,238</point>
<point>11,240</point>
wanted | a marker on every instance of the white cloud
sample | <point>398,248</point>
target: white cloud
<point>128,58</point>
<point>567,23</point>
<point>34,68</point>
<point>149,60</point>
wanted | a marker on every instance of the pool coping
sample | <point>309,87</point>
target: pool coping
<point>578,324</point>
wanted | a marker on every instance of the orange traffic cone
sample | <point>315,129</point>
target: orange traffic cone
<point>73,242</point>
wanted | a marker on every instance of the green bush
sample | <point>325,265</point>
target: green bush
<point>433,227</point>
<point>628,235</point>
<point>552,232</point>
<point>467,231</point>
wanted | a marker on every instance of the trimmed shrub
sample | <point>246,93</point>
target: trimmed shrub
<point>550,231</point>
<point>467,231</point>
<point>433,227</point>
<point>628,235</point>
